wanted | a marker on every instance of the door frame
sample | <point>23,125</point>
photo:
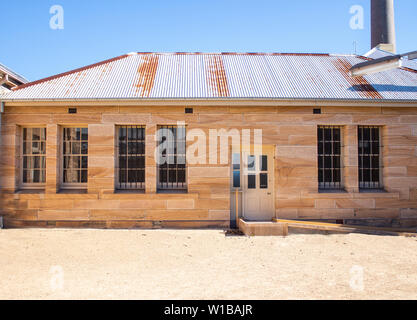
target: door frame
<point>271,148</point>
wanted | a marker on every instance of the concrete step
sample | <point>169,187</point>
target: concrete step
<point>267,228</point>
<point>280,227</point>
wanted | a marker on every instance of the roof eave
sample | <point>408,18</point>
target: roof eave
<point>215,101</point>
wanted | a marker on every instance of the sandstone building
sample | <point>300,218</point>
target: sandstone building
<point>78,149</point>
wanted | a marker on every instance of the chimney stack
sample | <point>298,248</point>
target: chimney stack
<point>382,25</point>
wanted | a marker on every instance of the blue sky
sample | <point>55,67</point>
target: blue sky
<point>96,30</point>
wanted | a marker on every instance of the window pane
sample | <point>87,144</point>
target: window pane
<point>236,179</point>
<point>84,148</point>
<point>236,161</point>
<point>25,176</point>
<point>181,176</point>
<point>251,181</point>
<point>251,163</point>
<point>263,180</point>
<point>83,177</point>
<point>172,176</point>
<point>264,163</point>
<point>163,177</point>
<point>375,175</point>
<point>84,162</point>
<point>75,148</point>
<point>141,175</point>
<point>336,175</point>
<point>36,134</point>
<point>36,176</point>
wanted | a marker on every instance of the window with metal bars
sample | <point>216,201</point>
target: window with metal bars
<point>33,156</point>
<point>329,157</point>
<point>369,157</point>
<point>131,157</point>
<point>75,156</point>
<point>171,158</point>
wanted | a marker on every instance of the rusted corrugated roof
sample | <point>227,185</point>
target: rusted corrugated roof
<point>222,76</point>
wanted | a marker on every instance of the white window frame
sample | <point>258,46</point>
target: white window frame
<point>34,185</point>
<point>66,185</point>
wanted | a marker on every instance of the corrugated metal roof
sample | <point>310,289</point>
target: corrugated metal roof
<point>12,74</point>
<point>376,53</point>
<point>222,75</point>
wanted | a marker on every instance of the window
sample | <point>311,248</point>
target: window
<point>263,176</point>
<point>329,157</point>
<point>131,157</point>
<point>33,156</point>
<point>171,159</point>
<point>75,156</point>
<point>236,170</point>
<point>369,157</point>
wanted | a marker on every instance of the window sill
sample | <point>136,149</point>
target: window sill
<point>129,191</point>
<point>30,191</point>
<point>332,191</point>
<point>172,191</point>
<point>373,191</point>
<point>72,191</point>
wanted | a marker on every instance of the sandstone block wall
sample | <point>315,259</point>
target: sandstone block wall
<point>292,130</point>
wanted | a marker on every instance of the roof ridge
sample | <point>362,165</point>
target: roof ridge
<point>25,85</point>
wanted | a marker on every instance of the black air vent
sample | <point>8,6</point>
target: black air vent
<point>189,110</point>
<point>72,110</point>
<point>317,111</point>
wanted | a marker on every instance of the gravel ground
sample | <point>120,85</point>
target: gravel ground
<point>203,264</point>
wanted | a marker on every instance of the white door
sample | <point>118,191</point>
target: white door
<point>258,185</point>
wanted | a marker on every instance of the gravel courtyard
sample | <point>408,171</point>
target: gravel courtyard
<point>203,264</point>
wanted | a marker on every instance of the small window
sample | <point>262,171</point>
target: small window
<point>369,157</point>
<point>171,158</point>
<point>264,163</point>
<point>131,157</point>
<point>329,157</point>
<point>33,156</point>
<point>236,170</point>
<point>251,181</point>
<point>75,156</point>
<point>263,180</point>
<point>251,163</point>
